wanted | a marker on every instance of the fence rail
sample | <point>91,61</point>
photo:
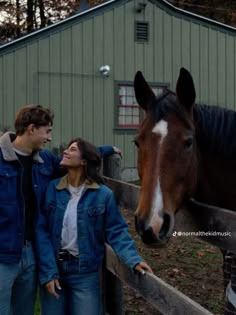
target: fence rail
<point>157,292</point>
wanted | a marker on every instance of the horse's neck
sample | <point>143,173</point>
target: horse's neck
<point>215,131</point>
<point>216,182</point>
<point>216,142</point>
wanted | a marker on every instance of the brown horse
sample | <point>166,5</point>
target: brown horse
<point>184,150</point>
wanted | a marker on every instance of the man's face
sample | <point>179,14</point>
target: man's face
<point>40,136</point>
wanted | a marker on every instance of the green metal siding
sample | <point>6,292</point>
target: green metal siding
<point>204,65</point>
<point>98,84</point>
<point>31,73</point>
<point>195,54</point>
<point>77,88</point>
<point>66,84</point>
<point>9,89</point>
<point>118,63</point>
<point>54,97</point>
<point>230,72</point>
<point>212,69</point>
<point>59,67</point>
<point>176,47</point>
<point>158,44</point>
<point>108,85</point>
<point>20,77</point>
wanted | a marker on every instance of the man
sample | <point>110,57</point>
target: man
<point>25,170</point>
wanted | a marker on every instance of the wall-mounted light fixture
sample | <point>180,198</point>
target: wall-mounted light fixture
<point>105,70</point>
<point>141,7</point>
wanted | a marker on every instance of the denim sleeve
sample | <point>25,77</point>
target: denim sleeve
<point>105,150</point>
<point>116,233</point>
<point>46,260</point>
<point>54,161</point>
<point>58,170</point>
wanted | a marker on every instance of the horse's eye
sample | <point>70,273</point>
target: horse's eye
<point>188,143</point>
<point>136,143</point>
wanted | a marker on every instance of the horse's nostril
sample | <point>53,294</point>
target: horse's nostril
<point>165,227</point>
<point>148,236</point>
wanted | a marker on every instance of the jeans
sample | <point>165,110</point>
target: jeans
<point>18,285</point>
<point>80,293</point>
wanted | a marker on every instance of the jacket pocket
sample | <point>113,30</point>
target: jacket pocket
<point>7,172</point>
<point>46,171</point>
<point>96,222</point>
<point>8,185</point>
<point>43,175</point>
<point>95,211</point>
<point>11,234</point>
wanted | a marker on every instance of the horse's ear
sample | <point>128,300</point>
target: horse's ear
<point>185,89</point>
<point>143,92</point>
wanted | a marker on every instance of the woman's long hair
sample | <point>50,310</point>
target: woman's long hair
<point>92,158</point>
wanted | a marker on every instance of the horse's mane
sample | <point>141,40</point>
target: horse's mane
<point>216,129</point>
<point>215,126</point>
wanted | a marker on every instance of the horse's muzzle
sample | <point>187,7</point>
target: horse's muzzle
<point>147,234</point>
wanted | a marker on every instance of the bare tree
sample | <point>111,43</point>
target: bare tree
<point>19,17</point>
<point>43,19</point>
<point>30,15</point>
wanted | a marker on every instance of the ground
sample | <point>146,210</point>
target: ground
<point>188,264</point>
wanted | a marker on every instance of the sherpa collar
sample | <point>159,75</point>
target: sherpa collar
<point>8,151</point>
<point>63,184</point>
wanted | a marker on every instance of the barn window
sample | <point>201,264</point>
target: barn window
<point>129,114</point>
<point>141,31</point>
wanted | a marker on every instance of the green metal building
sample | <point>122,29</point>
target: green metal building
<point>83,68</point>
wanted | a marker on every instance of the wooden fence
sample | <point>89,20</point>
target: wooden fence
<point>194,217</point>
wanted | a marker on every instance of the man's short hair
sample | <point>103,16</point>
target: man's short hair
<point>32,114</point>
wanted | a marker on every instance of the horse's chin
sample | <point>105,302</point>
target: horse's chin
<point>152,240</point>
<point>155,244</point>
<point>150,237</point>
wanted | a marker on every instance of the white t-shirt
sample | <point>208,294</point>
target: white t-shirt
<point>69,235</point>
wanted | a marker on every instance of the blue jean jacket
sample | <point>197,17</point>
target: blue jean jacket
<point>12,217</point>
<point>99,221</point>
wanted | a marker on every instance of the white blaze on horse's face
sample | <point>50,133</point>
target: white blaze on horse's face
<point>161,129</point>
<point>163,190</point>
<point>156,214</point>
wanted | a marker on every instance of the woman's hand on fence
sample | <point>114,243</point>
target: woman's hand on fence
<point>51,286</point>
<point>142,267</point>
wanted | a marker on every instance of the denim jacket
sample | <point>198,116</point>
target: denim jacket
<point>45,166</point>
<point>12,217</point>
<point>99,221</point>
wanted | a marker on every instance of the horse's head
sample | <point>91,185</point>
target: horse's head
<point>167,161</point>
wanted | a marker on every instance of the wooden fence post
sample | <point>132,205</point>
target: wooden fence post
<point>112,166</point>
<point>112,286</point>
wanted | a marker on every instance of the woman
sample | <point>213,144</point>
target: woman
<point>79,216</point>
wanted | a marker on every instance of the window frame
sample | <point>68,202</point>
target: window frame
<point>131,128</point>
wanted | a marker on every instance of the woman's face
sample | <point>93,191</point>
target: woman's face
<point>72,157</point>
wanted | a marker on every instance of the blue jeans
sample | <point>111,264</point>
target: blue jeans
<point>18,285</point>
<point>80,294</point>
